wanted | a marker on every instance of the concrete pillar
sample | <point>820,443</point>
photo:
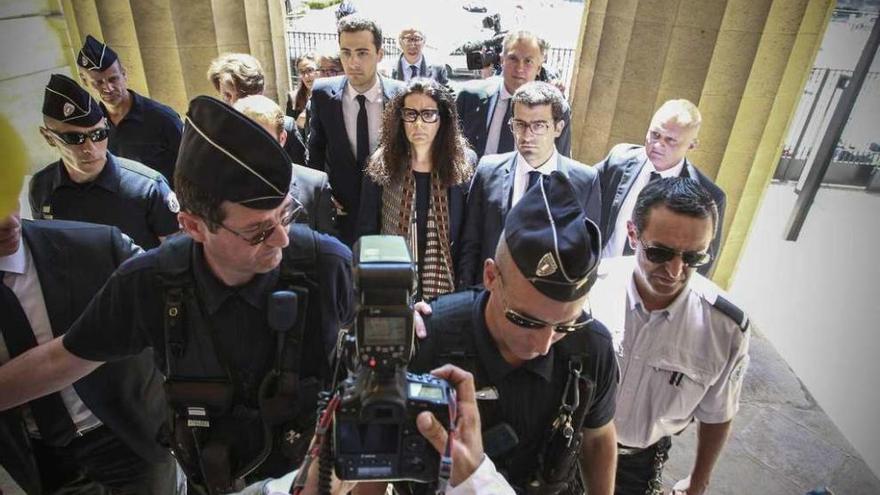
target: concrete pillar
<point>731,57</point>
<point>231,26</point>
<point>281,61</point>
<point>196,44</point>
<point>118,27</point>
<point>159,49</point>
<point>260,37</point>
<point>783,61</point>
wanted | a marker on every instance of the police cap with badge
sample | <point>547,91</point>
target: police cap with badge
<point>95,55</point>
<point>554,245</point>
<point>229,156</point>
<point>65,101</point>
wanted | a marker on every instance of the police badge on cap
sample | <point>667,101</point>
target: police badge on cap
<point>64,100</point>
<point>95,55</point>
<point>231,157</point>
<point>553,244</point>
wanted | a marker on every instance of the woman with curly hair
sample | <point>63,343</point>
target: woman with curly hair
<point>416,182</point>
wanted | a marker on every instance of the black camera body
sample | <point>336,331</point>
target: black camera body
<point>374,434</point>
<point>376,437</point>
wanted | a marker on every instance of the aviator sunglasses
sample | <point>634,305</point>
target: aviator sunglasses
<point>76,138</point>
<point>661,254</point>
<point>531,323</point>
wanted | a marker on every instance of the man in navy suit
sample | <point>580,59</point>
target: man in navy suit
<point>484,105</point>
<point>347,115</point>
<point>100,433</point>
<point>412,63</point>
<point>501,180</point>
<point>629,167</point>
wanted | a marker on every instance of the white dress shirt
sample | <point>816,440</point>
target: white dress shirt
<point>21,277</point>
<point>497,120</point>
<point>681,362</point>
<point>618,235</point>
<point>521,174</point>
<point>407,70</point>
<point>375,105</point>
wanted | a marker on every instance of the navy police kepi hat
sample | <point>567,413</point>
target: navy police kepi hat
<point>95,55</point>
<point>64,100</point>
<point>554,245</point>
<point>229,156</point>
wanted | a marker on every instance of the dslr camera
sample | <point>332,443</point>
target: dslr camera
<point>374,432</point>
<point>484,53</point>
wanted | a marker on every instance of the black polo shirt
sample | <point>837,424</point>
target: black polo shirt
<point>125,194</point>
<point>127,315</point>
<point>149,133</point>
<point>529,396</point>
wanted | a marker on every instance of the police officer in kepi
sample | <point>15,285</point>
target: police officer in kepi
<point>89,183</point>
<point>545,371</point>
<point>242,312</point>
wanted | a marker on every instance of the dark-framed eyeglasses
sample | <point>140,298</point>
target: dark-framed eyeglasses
<point>662,254</point>
<point>291,212</point>
<point>76,138</point>
<point>329,72</point>
<point>523,320</point>
<point>428,115</point>
<point>538,127</point>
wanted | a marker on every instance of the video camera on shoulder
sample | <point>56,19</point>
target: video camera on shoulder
<point>375,435</point>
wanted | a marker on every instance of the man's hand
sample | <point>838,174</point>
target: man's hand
<point>421,309</point>
<point>467,450</point>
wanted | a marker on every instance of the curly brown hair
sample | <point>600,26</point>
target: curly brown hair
<point>449,151</point>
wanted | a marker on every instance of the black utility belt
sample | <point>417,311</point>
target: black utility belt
<point>664,442</point>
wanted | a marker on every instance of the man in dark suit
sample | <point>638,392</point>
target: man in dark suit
<point>501,180</point>
<point>101,432</point>
<point>412,63</point>
<point>308,186</point>
<point>347,116</point>
<point>484,105</point>
<point>629,167</point>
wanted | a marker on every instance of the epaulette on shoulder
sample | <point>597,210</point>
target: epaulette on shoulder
<point>732,311</point>
<point>138,168</point>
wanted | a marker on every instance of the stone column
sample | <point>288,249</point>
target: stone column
<point>160,52</point>
<point>733,58</point>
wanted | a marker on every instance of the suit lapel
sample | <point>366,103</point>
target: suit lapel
<point>53,283</point>
<point>338,118</point>
<point>509,176</point>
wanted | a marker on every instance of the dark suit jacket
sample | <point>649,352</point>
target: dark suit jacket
<point>488,202</point>
<point>371,213</point>
<point>435,72</point>
<point>73,260</point>
<point>312,188</point>
<point>476,102</point>
<point>330,150</point>
<point>618,171</point>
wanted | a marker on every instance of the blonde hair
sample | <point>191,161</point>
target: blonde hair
<point>245,71</point>
<point>681,112</point>
<point>263,111</point>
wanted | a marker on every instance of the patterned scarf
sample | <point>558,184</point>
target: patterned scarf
<point>398,208</point>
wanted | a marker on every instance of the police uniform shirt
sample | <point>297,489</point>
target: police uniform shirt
<point>529,396</point>
<point>682,362</point>
<point>125,194</point>
<point>21,277</point>
<point>127,316</point>
<point>149,133</point>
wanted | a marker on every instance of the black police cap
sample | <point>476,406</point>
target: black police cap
<point>64,100</point>
<point>231,157</point>
<point>554,245</point>
<point>95,55</point>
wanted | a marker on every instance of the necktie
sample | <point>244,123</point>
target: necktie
<point>505,139</point>
<point>534,176</point>
<point>363,133</point>
<point>414,71</point>
<point>52,418</point>
<point>627,250</point>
